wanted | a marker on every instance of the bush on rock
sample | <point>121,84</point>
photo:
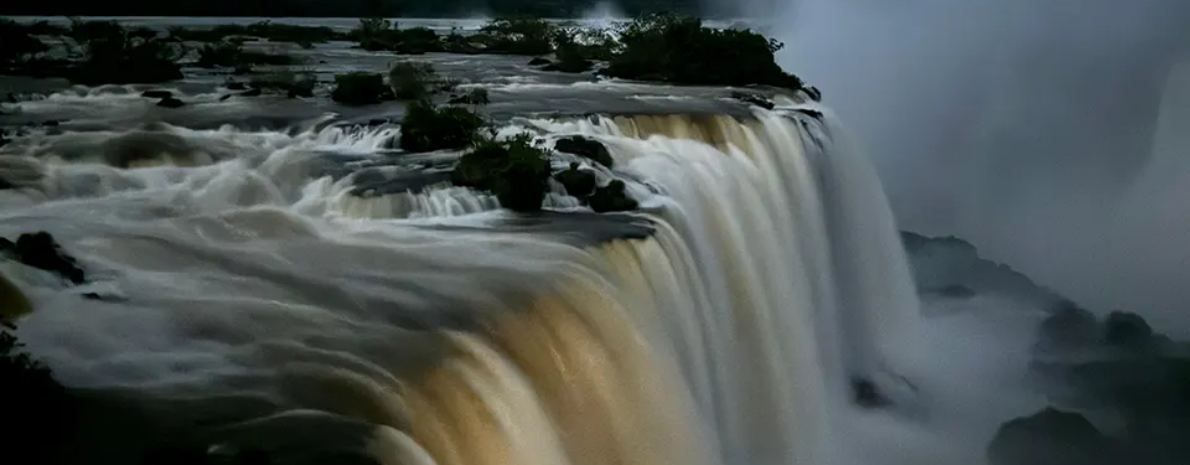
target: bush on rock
<point>427,128</point>
<point>360,88</point>
<point>517,171</point>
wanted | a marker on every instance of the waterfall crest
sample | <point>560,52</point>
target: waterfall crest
<point>719,324</point>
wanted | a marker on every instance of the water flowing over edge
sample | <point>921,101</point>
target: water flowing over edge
<point>721,323</point>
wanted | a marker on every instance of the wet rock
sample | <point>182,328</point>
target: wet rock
<point>578,183</point>
<point>40,250</point>
<point>813,93</point>
<point>236,86</point>
<point>865,394</point>
<point>612,198</point>
<point>158,94</point>
<point>1050,437</point>
<point>539,61</point>
<point>584,147</point>
<point>254,92</point>
<point>811,113</point>
<point>753,99</point>
<point>50,123</point>
<point>570,66</point>
<point>224,97</point>
<point>170,102</point>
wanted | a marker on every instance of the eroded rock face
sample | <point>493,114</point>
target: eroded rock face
<point>1050,437</point>
<point>40,250</point>
<point>584,147</point>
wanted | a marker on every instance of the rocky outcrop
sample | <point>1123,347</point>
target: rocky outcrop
<point>1050,437</point>
<point>584,147</point>
<point>612,198</point>
<point>950,267</point>
<point>40,250</point>
<point>578,183</point>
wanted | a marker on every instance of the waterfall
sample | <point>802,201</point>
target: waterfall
<point>719,324</point>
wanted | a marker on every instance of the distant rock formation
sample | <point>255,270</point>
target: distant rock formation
<point>950,267</point>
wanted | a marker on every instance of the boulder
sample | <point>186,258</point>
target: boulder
<point>170,102</point>
<point>539,61</point>
<point>158,94</point>
<point>584,147</point>
<point>40,250</point>
<point>1050,437</point>
<point>578,183</point>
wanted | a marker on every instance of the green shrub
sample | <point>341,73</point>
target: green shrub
<point>360,88</point>
<point>231,54</point>
<point>376,34</point>
<point>517,171</point>
<point>287,82</point>
<point>411,80</point>
<point>117,55</point>
<point>669,48</point>
<point>426,128</point>
<point>518,36</point>
<point>477,96</point>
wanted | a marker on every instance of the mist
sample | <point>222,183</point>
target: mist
<point>1026,127</point>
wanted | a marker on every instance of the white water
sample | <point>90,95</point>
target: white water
<point>773,273</point>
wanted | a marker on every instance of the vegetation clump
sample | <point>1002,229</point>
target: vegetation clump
<point>579,183</point>
<point>426,128</point>
<point>680,50</point>
<point>411,80</point>
<point>231,54</point>
<point>377,34</point>
<point>612,198</point>
<point>477,96</point>
<point>289,83</point>
<point>273,32</point>
<point>360,88</point>
<point>113,54</point>
<point>517,171</point>
<point>518,36</point>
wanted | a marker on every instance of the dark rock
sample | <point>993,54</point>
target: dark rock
<point>157,94</point>
<point>612,198</point>
<point>1069,328</point>
<point>584,147</point>
<point>539,61</point>
<point>957,291</point>
<point>865,394</point>
<point>570,66</point>
<point>578,183</point>
<point>224,97</point>
<point>236,86</point>
<point>360,88</point>
<point>1126,330</point>
<point>50,123</point>
<point>813,93</point>
<point>1051,437</point>
<point>753,99</point>
<point>255,92</point>
<point>170,102</point>
<point>377,121</point>
<point>40,250</point>
<point>811,113</point>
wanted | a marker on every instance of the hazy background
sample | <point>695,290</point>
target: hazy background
<point>1025,126</point>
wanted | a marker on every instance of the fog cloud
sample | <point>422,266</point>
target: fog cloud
<point>1024,126</point>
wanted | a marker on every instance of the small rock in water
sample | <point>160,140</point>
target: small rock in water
<point>585,147</point>
<point>50,124</point>
<point>753,99</point>
<point>236,86</point>
<point>162,94</point>
<point>170,102</point>
<point>539,62</point>
<point>809,112</point>
<point>40,250</point>
<point>224,97</point>
<point>255,92</point>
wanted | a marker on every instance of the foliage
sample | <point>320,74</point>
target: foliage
<point>517,171</point>
<point>113,54</point>
<point>426,128</point>
<point>518,36</point>
<point>339,8</point>
<point>20,43</point>
<point>231,54</point>
<point>360,88</point>
<point>476,96</point>
<point>411,80</point>
<point>670,48</point>
<point>268,30</point>
<point>34,408</point>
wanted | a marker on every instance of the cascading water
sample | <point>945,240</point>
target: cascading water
<point>325,304</point>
